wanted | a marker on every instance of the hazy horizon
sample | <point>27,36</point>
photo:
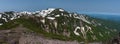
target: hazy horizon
<point>94,6</point>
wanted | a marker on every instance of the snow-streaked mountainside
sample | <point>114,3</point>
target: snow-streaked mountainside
<point>57,23</point>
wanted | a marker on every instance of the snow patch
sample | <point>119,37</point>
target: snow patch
<point>26,12</point>
<point>52,18</point>
<point>1,24</point>
<point>5,19</point>
<point>61,10</point>
<point>55,24</point>
<point>61,13</point>
<point>82,18</point>
<point>12,18</point>
<point>57,16</point>
<point>43,20</point>
<point>70,15</point>
<point>75,31</point>
<point>18,16</point>
<point>43,13</point>
<point>83,30</point>
<point>0,15</point>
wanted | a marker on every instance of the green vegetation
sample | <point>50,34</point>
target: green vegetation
<point>34,26</point>
<point>8,25</point>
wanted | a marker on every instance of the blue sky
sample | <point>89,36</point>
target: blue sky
<point>96,6</point>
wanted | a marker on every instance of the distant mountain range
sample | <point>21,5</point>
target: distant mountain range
<point>57,23</point>
<point>112,17</point>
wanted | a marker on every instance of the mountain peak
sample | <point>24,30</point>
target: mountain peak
<point>60,22</point>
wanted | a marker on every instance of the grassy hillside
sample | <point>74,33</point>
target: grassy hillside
<point>32,25</point>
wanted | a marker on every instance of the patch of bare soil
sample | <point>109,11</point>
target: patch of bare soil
<point>21,35</point>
